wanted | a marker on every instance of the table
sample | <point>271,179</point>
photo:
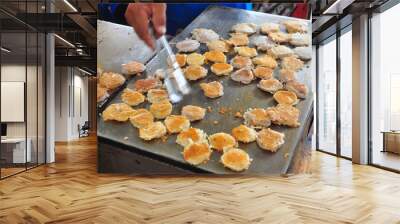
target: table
<point>133,155</point>
<point>13,150</point>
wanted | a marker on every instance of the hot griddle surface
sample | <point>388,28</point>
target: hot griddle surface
<point>237,96</point>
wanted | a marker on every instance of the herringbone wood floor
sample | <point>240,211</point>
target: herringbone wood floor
<point>70,191</point>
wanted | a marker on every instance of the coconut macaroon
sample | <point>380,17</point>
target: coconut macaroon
<point>191,135</point>
<point>212,89</point>
<point>161,110</point>
<point>118,112</point>
<point>265,60</point>
<point>267,28</point>
<point>218,45</point>
<point>152,131</point>
<point>195,59</point>
<point>102,93</point>
<point>298,88</point>
<point>238,39</point>
<point>157,95</point>
<point>256,118</point>
<point>293,26</point>
<point>286,97</point>
<point>133,68</point>
<point>144,85</point>
<point>270,85</point>
<point>181,59</point>
<point>284,114</point>
<point>241,62</point>
<point>221,68</point>
<point>141,118</point>
<point>270,140</point>
<point>286,75</point>
<point>300,39</point>
<point>244,75</point>
<point>236,159</point>
<point>176,123</point>
<point>246,28</point>
<point>193,113</point>
<point>263,72</point>
<point>215,56</point>
<point>220,141</point>
<point>244,134</point>
<point>304,53</point>
<point>280,51</point>
<point>204,35</point>
<point>111,80</point>
<point>246,51</point>
<point>132,97</point>
<point>195,72</point>
<point>197,153</point>
<point>187,45</point>
<point>279,37</point>
<point>292,63</point>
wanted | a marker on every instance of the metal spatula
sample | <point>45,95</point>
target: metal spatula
<point>175,81</point>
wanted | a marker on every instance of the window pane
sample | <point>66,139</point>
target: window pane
<point>346,94</point>
<point>327,97</point>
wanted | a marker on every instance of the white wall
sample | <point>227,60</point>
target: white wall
<point>71,93</point>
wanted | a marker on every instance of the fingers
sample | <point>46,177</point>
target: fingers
<point>159,18</point>
<point>138,16</point>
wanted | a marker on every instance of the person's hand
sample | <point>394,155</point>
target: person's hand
<point>139,15</point>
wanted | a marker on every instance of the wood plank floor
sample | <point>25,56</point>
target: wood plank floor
<point>70,191</point>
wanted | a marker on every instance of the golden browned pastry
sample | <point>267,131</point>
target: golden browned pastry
<point>236,159</point>
<point>292,63</point>
<point>118,112</point>
<point>132,97</point>
<point>111,80</point>
<point>141,118</point>
<point>293,26</point>
<point>265,60</point>
<point>195,59</point>
<point>246,28</point>
<point>267,28</point>
<point>263,72</point>
<point>241,62</point>
<point>152,131</point>
<point>221,68</point>
<point>197,153</point>
<point>286,75</point>
<point>270,140</point>
<point>181,59</point>
<point>220,141</point>
<point>286,97</point>
<point>238,39</point>
<point>102,93</point>
<point>176,123</point>
<point>280,51</point>
<point>244,134</point>
<point>244,75</point>
<point>157,95</point>
<point>218,45</point>
<point>193,113</point>
<point>133,68</point>
<point>256,118</point>
<point>246,51</point>
<point>298,88</point>
<point>279,37</point>
<point>270,85</point>
<point>212,89</point>
<point>284,114</point>
<point>215,56</point>
<point>195,72</point>
<point>191,135</point>
<point>144,85</point>
<point>161,109</point>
